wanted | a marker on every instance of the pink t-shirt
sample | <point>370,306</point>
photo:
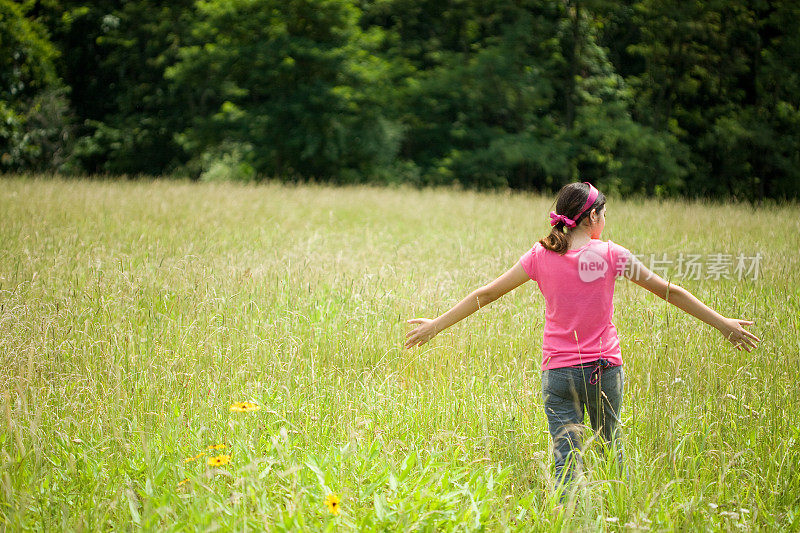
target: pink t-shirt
<point>578,289</point>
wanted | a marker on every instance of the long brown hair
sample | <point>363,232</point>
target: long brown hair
<point>570,199</point>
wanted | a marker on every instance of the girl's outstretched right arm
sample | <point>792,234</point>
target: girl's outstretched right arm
<point>731,328</point>
<point>427,329</point>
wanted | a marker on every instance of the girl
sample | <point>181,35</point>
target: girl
<point>581,357</point>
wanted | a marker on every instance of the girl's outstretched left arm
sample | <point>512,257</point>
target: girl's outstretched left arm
<point>427,328</point>
<point>731,328</point>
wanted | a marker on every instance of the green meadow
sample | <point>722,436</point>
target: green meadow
<point>134,314</point>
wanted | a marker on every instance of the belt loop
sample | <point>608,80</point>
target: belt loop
<point>594,377</point>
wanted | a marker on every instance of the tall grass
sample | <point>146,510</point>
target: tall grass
<point>133,314</point>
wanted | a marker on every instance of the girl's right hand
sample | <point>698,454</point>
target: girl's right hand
<point>422,333</point>
<point>733,330</point>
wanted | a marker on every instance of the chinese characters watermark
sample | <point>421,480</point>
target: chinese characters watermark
<point>714,266</point>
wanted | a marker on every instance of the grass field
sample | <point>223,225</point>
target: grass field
<point>134,314</point>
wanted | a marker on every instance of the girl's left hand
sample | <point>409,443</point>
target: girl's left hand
<point>733,330</point>
<point>422,333</point>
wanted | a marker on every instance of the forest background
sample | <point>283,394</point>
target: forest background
<point>654,97</point>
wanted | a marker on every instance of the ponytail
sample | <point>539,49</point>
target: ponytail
<point>557,240</point>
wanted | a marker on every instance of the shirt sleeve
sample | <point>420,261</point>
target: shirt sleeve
<point>620,257</point>
<point>528,261</point>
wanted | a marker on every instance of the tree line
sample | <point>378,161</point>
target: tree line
<point>655,97</point>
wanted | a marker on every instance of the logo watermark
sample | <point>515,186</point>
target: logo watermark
<point>714,266</point>
<point>591,266</point>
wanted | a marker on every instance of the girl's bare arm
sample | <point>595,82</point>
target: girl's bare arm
<point>427,328</point>
<point>731,328</point>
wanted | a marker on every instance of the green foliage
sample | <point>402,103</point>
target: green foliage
<point>615,151</point>
<point>34,110</point>
<point>26,55</point>
<point>114,57</point>
<point>707,82</point>
<point>228,163</point>
<point>295,80</point>
<point>476,108</point>
<point>645,96</point>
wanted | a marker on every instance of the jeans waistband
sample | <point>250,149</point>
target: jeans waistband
<point>593,363</point>
<point>597,365</point>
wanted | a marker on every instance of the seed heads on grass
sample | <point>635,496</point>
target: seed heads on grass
<point>320,338</point>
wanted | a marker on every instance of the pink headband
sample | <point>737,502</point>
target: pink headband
<point>555,219</point>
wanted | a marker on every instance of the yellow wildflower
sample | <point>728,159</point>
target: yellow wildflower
<point>243,407</point>
<point>194,458</point>
<point>219,460</point>
<point>332,502</point>
<point>217,447</point>
<point>185,481</point>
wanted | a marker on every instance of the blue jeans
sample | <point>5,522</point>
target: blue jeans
<point>566,393</point>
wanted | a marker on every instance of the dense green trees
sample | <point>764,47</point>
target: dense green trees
<point>113,58</point>
<point>286,88</point>
<point>32,104</point>
<point>721,77</point>
<point>655,96</point>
